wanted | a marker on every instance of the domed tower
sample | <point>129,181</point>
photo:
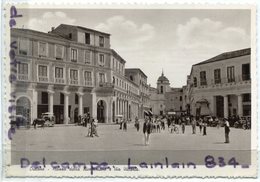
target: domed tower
<point>163,84</point>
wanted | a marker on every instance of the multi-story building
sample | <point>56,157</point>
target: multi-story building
<point>221,86</point>
<point>69,71</point>
<point>137,76</point>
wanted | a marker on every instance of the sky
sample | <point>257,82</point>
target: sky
<point>153,40</point>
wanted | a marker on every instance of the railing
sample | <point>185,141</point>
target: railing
<point>74,82</point>
<point>23,77</point>
<point>240,79</point>
<point>43,79</point>
<point>88,83</point>
<point>106,84</point>
<point>59,80</point>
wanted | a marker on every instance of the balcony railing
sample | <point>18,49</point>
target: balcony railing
<point>240,79</point>
<point>74,82</point>
<point>23,77</point>
<point>60,80</point>
<point>106,84</point>
<point>88,83</point>
<point>43,79</point>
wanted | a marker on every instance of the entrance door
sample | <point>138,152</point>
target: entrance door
<point>101,111</point>
<point>76,117</point>
<point>58,113</point>
<point>219,106</point>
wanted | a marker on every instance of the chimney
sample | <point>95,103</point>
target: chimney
<point>52,28</point>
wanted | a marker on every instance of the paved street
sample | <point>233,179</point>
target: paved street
<point>70,143</point>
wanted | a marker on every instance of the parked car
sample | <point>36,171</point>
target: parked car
<point>47,119</point>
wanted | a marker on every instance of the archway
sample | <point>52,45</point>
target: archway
<point>23,107</point>
<point>101,111</point>
<point>76,113</point>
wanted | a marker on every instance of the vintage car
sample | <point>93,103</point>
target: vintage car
<point>47,119</point>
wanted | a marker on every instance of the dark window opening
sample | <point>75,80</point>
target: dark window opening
<point>180,98</point>
<point>76,99</point>
<point>245,71</point>
<point>203,79</point>
<point>246,97</point>
<point>161,89</point>
<point>87,38</point>
<point>70,35</point>
<point>61,98</point>
<point>217,76</point>
<point>44,97</point>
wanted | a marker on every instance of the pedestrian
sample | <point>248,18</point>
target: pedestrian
<point>146,131</point>
<point>125,125</point>
<point>200,124</point>
<point>137,124</point>
<point>94,129</point>
<point>204,128</point>
<point>193,124</point>
<point>121,123</point>
<point>183,126</point>
<point>227,130</point>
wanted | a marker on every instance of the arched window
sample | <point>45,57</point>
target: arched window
<point>161,89</point>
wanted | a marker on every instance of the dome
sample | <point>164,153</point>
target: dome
<point>162,78</point>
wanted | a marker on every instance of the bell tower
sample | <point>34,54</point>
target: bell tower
<point>163,84</point>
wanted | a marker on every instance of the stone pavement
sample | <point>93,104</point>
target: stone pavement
<point>71,143</point>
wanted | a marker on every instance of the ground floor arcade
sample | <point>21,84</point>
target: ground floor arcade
<point>67,103</point>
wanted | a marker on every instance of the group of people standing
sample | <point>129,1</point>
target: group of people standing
<point>87,121</point>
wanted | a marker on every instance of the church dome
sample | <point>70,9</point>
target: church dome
<point>162,78</point>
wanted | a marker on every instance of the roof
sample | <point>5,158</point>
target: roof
<point>135,69</point>
<point>86,29</point>
<point>116,54</point>
<point>162,78</point>
<point>227,55</point>
<point>24,30</point>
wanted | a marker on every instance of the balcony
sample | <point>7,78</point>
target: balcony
<point>74,82</point>
<point>60,80</point>
<point>43,79</point>
<point>88,83</point>
<point>223,82</point>
<point>23,77</point>
<point>106,84</point>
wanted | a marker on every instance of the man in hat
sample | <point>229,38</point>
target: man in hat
<point>227,130</point>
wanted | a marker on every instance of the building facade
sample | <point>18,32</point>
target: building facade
<point>220,86</point>
<point>138,77</point>
<point>165,99</point>
<point>70,71</point>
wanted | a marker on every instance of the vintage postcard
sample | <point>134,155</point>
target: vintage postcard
<point>129,90</point>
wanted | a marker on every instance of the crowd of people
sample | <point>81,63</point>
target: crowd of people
<point>156,124</point>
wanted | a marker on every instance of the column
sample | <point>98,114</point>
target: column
<point>116,106</point>
<point>80,104</point>
<point>34,105</point>
<point>94,105</point>
<point>239,105</point>
<point>226,106</point>
<point>50,103</point>
<point>66,108</point>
